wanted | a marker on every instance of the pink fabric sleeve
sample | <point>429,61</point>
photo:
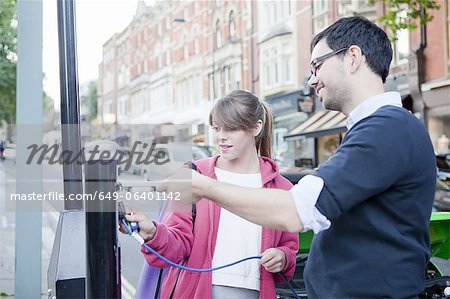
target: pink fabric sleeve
<point>173,239</point>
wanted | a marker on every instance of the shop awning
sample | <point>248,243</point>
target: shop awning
<point>321,123</point>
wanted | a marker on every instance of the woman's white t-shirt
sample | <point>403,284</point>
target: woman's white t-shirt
<point>237,238</point>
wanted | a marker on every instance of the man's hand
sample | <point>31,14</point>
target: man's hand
<point>191,185</point>
<point>147,228</point>
<point>274,260</point>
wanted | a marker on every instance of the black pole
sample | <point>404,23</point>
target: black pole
<point>70,111</point>
<point>102,252</point>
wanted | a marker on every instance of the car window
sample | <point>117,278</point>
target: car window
<point>182,153</point>
<point>161,154</point>
<point>443,163</point>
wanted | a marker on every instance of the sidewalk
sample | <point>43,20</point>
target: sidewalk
<point>8,243</point>
<point>7,252</point>
<point>132,259</point>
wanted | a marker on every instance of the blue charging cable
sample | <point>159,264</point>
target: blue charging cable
<point>132,229</point>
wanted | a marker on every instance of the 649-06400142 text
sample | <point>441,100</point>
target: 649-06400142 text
<point>129,196</point>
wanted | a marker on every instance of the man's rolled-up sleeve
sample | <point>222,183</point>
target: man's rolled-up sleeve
<point>306,194</point>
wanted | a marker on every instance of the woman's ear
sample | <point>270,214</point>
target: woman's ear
<point>258,128</point>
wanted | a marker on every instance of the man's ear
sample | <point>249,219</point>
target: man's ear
<point>258,128</point>
<point>356,56</point>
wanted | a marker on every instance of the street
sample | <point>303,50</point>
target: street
<point>132,259</point>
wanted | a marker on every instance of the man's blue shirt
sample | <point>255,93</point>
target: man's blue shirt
<point>378,194</point>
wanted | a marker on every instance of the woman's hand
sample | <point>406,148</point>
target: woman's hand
<point>274,260</point>
<point>147,228</point>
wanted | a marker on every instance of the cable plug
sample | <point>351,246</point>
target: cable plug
<point>138,238</point>
<point>134,226</point>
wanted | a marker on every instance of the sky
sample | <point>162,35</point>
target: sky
<point>96,22</point>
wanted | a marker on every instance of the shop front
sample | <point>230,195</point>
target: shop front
<point>289,110</point>
<point>323,131</point>
<point>436,96</point>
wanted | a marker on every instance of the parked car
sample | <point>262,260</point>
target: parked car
<point>133,168</point>
<point>167,158</point>
<point>442,195</point>
<point>443,166</point>
<point>200,152</point>
<point>10,152</point>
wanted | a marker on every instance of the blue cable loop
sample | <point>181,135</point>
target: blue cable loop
<point>130,231</point>
<point>289,285</point>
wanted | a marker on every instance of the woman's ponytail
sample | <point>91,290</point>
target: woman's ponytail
<point>264,138</point>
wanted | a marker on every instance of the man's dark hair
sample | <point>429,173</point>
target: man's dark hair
<point>359,31</point>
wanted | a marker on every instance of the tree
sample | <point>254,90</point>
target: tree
<point>91,100</point>
<point>405,14</point>
<point>8,60</point>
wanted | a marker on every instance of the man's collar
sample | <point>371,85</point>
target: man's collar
<point>372,104</point>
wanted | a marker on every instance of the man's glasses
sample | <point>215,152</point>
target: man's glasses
<point>317,63</point>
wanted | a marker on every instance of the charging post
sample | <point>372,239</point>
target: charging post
<point>102,250</point>
<point>66,271</point>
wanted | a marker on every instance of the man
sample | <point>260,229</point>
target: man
<point>370,203</point>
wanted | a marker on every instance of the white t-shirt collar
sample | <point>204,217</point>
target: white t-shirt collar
<point>372,104</point>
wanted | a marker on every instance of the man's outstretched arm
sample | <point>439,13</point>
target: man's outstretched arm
<point>272,208</point>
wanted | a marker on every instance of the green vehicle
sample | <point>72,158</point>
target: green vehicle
<point>438,269</point>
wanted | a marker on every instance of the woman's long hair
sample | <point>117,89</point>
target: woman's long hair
<point>241,110</point>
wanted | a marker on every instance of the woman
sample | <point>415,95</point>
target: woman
<point>242,126</point>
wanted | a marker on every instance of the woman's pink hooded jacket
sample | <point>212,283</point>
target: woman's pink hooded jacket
<point>178,241</point>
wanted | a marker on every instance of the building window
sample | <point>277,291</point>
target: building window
<point>275,12</point>
<point>218,35</point>
<point>267,80</point>
<point>276,79</point>
<point>107,107</point>
<point>320,9</point>
<point>211,86</point>
<point>287,69</point>
<point>185,51</point>
<point>287,63</point>
<point>196,46</point>
<point>266,69</point>
<point>158,55</point>
<point>159,28</point>
<point>198,83</point>
<point>232,25</point>
<point>276,66</point>
<point>168,61</point>
<point>226,71</point>
<point>279,145</point>
<point>286,8</point>
<point>168,21</point>
<point>236,76</point>
<point>345,8</point>
<point>124,108</point>
<point>401,45</point>
<point>185,47</point>
<point>218,79</point>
